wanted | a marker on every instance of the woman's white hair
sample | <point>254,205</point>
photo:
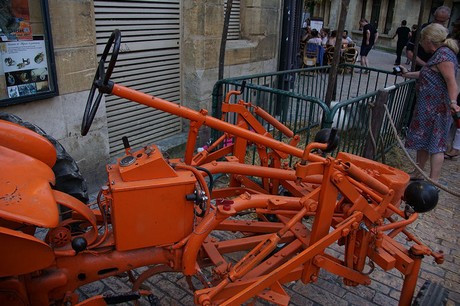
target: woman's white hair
<point>438,36</point>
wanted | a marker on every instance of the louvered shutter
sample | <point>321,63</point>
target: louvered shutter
<point>234,23</point>
<point>149,61</point>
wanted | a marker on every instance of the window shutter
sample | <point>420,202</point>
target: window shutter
<point>234,24</point>
<point>149,61</point>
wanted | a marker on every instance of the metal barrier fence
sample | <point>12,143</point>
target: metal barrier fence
<point>297,99</point>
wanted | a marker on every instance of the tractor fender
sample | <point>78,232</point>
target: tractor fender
<point>23,140</point>
<point>25,193</point>
<point>22,253</point>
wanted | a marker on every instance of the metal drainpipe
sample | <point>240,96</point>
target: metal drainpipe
<point>289,48</point>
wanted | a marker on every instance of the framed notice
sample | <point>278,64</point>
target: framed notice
<point>316,23</point>
<point>27,70</point>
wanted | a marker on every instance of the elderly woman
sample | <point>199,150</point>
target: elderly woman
<point>436,96</point>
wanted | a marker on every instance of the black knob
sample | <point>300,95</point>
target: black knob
<point>422,196</point>
<point>79,244</point>
<point>191,197</point>
<point>125,142</point>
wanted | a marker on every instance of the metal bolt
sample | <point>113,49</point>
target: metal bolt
<point>363,227</point>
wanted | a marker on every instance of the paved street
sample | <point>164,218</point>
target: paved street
<point>438,229</point>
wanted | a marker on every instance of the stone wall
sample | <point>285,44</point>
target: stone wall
<point>255,52</point>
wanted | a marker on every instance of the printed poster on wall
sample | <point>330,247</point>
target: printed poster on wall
<point>15,20</point>
<point>316,23</point>
<point>25,67</point>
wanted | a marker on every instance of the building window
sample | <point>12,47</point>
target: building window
<point>375,14</point>
<point>27,70</point>
<point>234,24</point>
<point>389,18</point>
<point>363,9</point>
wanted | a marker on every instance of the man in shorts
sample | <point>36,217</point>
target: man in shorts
<point>370,36</point>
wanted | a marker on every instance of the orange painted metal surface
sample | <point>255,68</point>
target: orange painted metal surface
<point>25,193</point>
<point>22,253</point>
<point>23,140</point>
<point>242,240</point>
<point>144,209</point>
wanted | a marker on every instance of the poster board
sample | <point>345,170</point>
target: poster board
<point>25,67</point>
<point>316,23</point>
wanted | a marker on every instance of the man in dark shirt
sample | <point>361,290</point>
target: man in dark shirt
<point>403,37</point>
<point>370,36</point>
<point>441,16</point>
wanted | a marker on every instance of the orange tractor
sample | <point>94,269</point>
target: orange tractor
<point>241,241</point>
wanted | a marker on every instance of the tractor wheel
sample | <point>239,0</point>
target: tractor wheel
<point>66,171</point>
<point>431,294</point>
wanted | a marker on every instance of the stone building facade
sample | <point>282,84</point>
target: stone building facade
<point>74,38</point>
<point>385,14</point>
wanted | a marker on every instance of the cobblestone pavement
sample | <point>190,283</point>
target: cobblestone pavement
<point>438,229</point>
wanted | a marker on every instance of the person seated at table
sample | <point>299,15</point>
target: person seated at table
<point>307,35</point>
<point>315,39</point>
<point>333,39</point>
<point>324,33</point>
<point>348,38</point>
<point>314,45</point>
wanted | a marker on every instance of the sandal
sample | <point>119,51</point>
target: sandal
<point>451,156</point>
<point>415,176</point>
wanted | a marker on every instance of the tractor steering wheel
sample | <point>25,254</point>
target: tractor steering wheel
<point>101,81</point>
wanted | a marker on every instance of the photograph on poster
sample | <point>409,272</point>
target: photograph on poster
<point>13,92</point>
<point>27,89</point>
<point>42,86</point>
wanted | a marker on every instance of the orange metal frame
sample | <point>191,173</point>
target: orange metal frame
<point>161,214</point>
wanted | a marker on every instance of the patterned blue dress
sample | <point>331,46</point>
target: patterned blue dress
<point>431,121</point>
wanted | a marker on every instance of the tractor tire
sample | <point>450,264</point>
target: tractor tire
<point>431,294</point>
<point>66,171</point>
